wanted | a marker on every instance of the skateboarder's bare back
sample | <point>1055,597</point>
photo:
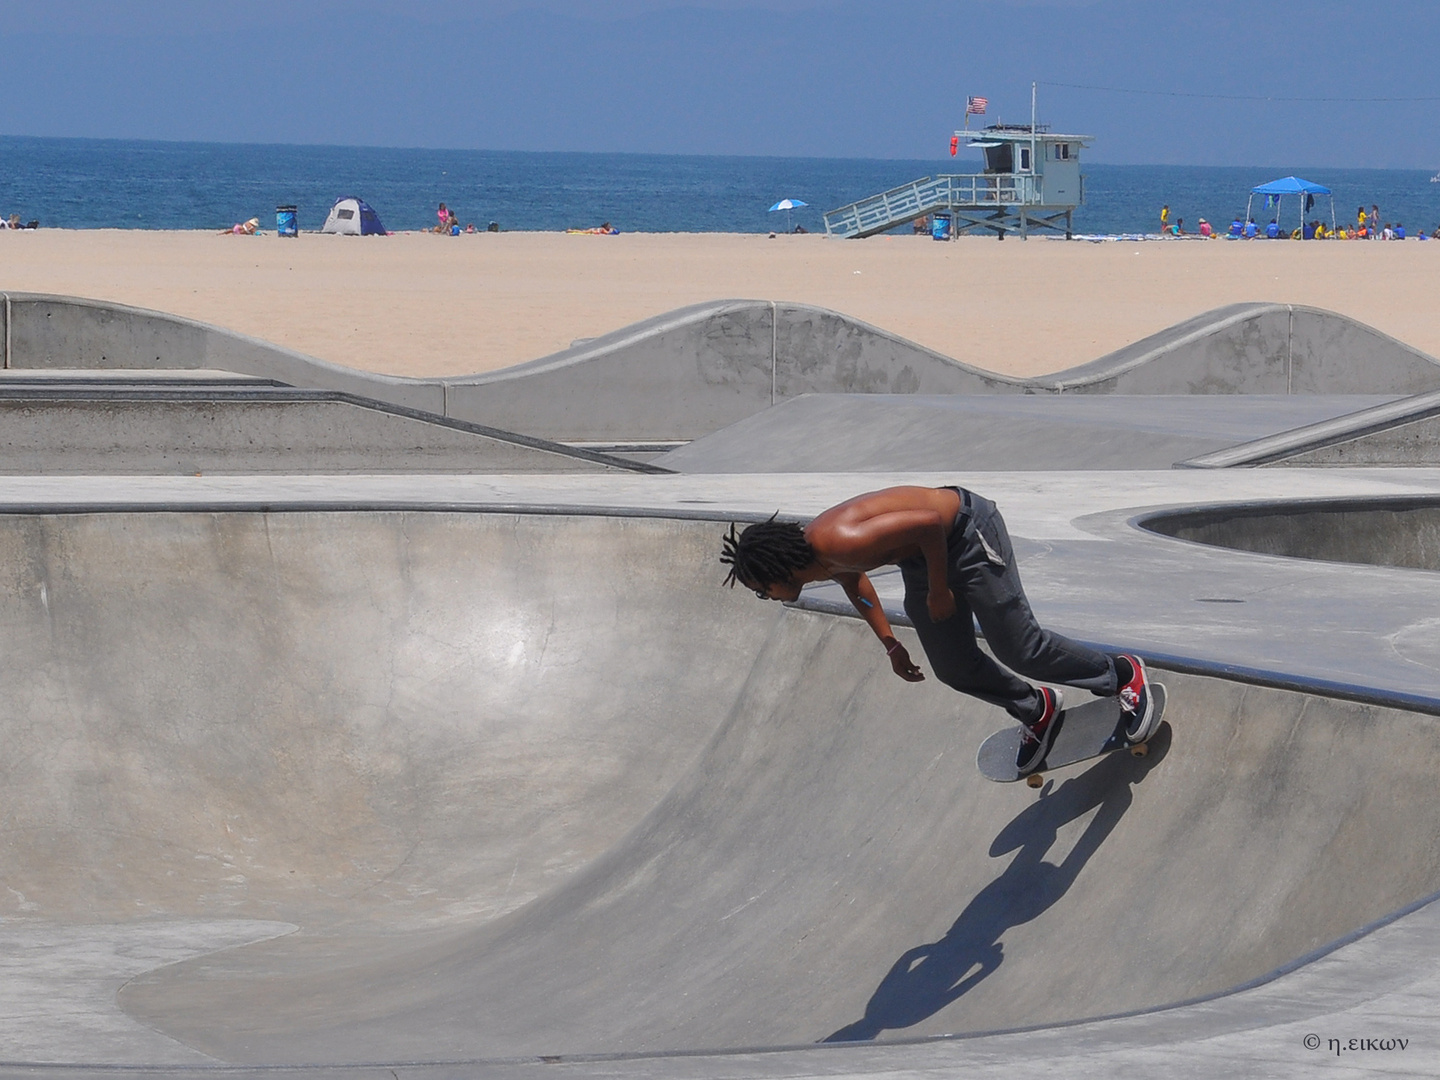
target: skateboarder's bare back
<point>955,558</point>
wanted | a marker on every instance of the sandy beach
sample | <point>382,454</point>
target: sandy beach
<point>419,304</point>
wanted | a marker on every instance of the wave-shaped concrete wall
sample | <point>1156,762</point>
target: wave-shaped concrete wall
<point>44,331</point>
<point>693,371</point>
<point>1258,349</point>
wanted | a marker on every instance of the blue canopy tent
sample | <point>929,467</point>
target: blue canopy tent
<point>1303,190</point>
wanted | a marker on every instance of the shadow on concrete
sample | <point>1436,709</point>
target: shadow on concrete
<point>932,976</point>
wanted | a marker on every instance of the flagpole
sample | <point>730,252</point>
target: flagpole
<point>1032,129</point>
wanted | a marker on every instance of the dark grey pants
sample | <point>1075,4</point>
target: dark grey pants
<point>981,569</point>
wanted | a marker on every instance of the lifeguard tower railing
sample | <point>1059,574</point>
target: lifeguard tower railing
<point>1000,202</point>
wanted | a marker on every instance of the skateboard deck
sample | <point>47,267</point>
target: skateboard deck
<point>1086,731</point>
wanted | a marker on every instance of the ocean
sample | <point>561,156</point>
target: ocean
<point>106,184</point>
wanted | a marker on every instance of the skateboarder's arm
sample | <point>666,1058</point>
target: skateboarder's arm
<point>862,594</point>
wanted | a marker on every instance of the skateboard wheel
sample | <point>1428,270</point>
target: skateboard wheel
<point>1034,780</point>
<point>1140,749</point>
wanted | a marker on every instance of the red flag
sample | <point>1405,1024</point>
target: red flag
<point>954,145</point>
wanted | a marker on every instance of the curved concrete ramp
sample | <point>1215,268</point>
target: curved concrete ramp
<point>835,869</point>
<point>394,719</point>
<point>1374,532</point>
<point>690,372</point>
<point>536,784</point>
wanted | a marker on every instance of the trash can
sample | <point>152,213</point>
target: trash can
<point>285,221</point>
<point>940,227</point>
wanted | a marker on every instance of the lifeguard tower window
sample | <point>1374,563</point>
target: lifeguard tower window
<point>1024,159</point>
<point>1000,159</point>
<point>1062,151</point>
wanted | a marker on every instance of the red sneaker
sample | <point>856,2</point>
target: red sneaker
<point>1137,702</point>
<point>1036,737</point>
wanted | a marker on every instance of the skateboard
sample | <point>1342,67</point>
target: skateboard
<point>1085,731</point>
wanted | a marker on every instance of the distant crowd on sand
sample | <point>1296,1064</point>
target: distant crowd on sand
<point>1367,227</point>
<point>447,224</point>
<point>13,222</point>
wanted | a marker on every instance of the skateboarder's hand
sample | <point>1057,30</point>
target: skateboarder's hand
<point>901,663</point>
<point>941,604</point>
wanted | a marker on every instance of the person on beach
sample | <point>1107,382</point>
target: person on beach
<point>1165,217</point>
<point>955,558</point>
<point>1374,222</point>
<point>1205,229</point>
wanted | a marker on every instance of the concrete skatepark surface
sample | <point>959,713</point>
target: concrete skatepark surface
<point>885,433</point>
<point>442,774</point>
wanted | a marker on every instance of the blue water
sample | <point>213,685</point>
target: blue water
<point>88,184</point>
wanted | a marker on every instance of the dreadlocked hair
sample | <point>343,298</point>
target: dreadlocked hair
<point>766,553</point>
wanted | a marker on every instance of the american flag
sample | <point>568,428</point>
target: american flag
<point>976,106</point>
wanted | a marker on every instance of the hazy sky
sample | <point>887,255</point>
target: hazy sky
<point>829,78</point>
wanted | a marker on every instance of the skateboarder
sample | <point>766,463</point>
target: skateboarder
<point>955,558</point>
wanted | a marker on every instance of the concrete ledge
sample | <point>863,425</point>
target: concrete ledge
<point>49,431</point>
<point>1401,432</point>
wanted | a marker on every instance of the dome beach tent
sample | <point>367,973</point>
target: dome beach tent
<point>353,217</point>
<point>1303,190</point>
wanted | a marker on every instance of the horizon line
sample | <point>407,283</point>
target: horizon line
<point>654,153</point>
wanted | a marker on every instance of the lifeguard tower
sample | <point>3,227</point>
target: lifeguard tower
<point>1031,180</point>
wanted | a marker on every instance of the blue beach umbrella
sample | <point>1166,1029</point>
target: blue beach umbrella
<point>787,205</point>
